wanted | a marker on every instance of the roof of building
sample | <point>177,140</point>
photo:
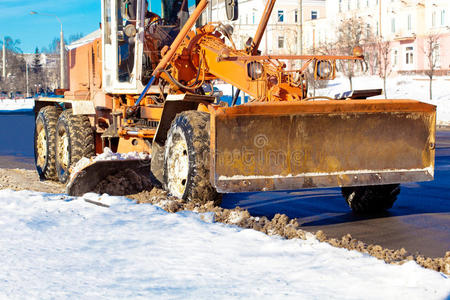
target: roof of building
<point>86,39</point>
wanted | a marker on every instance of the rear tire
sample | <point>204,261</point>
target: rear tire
<point>74,140</point>
<point>187,158</point>
<point>371,199</point>
<point>45,142</point>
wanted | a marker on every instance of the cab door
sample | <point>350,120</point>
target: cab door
<point>122,51</point>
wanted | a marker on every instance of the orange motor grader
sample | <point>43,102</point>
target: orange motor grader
<point>138,85</point>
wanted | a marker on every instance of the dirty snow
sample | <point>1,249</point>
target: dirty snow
<point>107,154</point>
<point>54,246</point>
<point>16,105</point>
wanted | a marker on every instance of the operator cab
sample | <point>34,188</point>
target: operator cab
<point>132,40</point>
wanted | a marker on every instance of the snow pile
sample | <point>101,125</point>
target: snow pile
<point>401,87</point>
<point>16,105</point>
<point>108,154</point>
<point>53,246</point>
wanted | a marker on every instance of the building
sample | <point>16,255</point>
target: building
<point>407,24</point>
<point>283,34</point>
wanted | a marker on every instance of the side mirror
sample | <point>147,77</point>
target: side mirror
<point>231,7</point>
<point>324,70</point>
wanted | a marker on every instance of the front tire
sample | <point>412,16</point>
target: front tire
<point>371,199</point>
<point>187,158</point>
<point>45,142</point>
<point>74,140</point>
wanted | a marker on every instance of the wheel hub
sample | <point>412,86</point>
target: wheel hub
<point>63,150</point>
<point>178,166</point>
<point>41,146</point>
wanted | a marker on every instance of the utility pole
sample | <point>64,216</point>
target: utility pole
<point>4,59</point>
<point>62,50</point>
<point>300,27</point>
<point>26,72</point>
<point>61,58</point>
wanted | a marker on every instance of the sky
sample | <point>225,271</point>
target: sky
<point>77,16</point>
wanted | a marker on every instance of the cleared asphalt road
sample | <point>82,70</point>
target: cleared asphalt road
<point>418,222</point>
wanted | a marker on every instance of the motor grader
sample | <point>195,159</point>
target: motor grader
<point>138,86</point>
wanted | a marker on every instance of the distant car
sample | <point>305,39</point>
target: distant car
<point>3,95</point>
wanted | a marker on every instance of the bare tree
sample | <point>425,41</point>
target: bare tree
<point>351,32</point>
<point>15,67</point>
<point>432,54</point>
<point>384,61</point>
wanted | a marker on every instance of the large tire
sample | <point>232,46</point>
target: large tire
<point>45,142</point>
<point>371,199</point>
<point>74,140</point>
<point>187,159</point>
<point>157,163</point>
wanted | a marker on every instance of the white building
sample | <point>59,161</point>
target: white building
<point>406,24</point>
<point>283,32</point>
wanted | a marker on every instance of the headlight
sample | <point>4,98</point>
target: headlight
<point>324,69</point>
<point>255,70</point>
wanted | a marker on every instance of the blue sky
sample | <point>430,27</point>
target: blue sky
<point>78,16</point>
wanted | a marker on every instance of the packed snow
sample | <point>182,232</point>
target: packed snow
<point>108,154</point>
<point>16,105</point>
<point>55,246</point>
<point>399,87</point>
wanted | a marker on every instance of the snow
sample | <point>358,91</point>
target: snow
<point>399,87</point>
<point>108,154</point>
<point>55,246</point>
<point>428,170</point>
<point>16,105</point>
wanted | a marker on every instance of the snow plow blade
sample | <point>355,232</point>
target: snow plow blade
<point>88,178</point>
<point>282,146</point>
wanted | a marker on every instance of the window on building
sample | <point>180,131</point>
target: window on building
<point>280,42</point>
<point>296,16</point>
<point>393,25</point>
<point>433,19</point>
<point>340,5</point>
<point>437,56</point>
<point>394,57</point>
<point>246,19</point>
<point>348,4</point>
<point>253,18</point>
<point>409,22</point>
<point>368,30</point>
<point>357,4</point>
<point>281,16</point>
<point>409,55</point>
<point>443,17</point>
<point>367,3</point>
<point>313,15</point>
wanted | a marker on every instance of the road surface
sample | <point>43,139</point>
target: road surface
<point>418,222</point>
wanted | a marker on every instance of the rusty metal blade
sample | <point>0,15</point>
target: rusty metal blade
<point>87,179</point>
<point>278,146</point>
